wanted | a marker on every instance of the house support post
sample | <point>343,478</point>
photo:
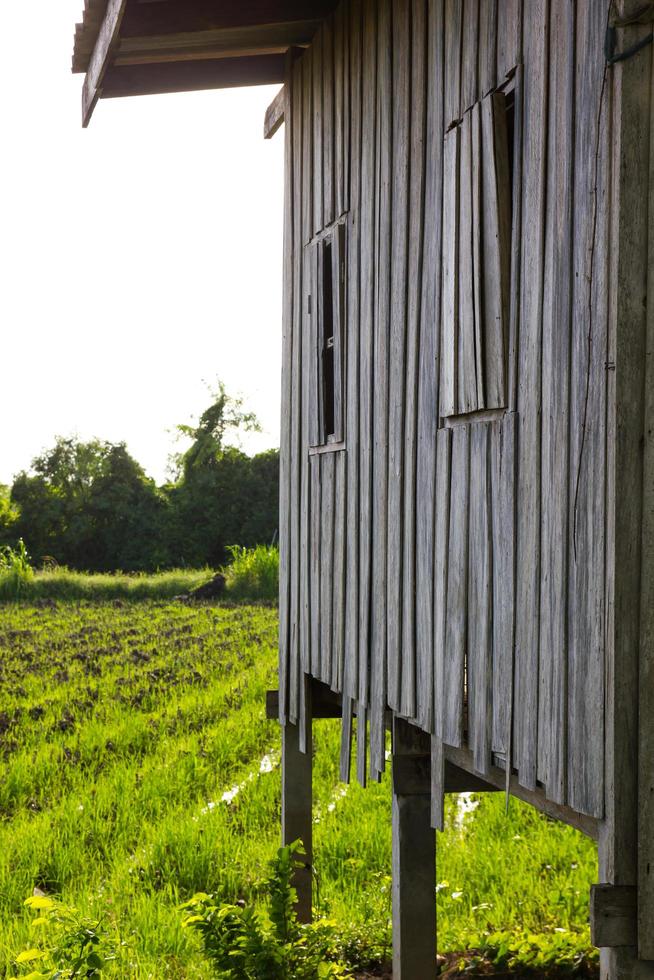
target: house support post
<point>414,856</point>
<point>296,809</point>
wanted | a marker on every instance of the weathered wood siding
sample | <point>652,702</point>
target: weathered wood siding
<point>452,568</point>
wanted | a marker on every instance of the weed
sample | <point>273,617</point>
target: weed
<point>253,573</point>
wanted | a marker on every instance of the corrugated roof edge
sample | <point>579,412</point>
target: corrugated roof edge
<point>86,33</point>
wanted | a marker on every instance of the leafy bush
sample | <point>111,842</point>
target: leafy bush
<point>243,944</point>
<point>72,945</point>
<point>253,573</point>
<point>16,571</point>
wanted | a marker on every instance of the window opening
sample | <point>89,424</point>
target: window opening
<point>328,366</point>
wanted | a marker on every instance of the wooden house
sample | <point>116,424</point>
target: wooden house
<point>467,506</point>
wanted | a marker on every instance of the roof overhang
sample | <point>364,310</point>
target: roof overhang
<point>144,47</point>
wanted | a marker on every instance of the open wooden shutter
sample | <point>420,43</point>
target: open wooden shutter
<point>476,260</point>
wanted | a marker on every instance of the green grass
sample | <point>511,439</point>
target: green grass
<point>66,585</point>
<point>253,573</point>
<point>121,729</point>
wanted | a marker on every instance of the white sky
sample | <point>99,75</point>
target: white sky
<point>138,258</point>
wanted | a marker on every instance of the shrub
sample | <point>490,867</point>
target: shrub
<point>253,573</point>
<point>243,944</point>
<point>16,571</point>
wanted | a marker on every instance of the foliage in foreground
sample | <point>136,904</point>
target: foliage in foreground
<point>139,769</point>
<point>243,943</point>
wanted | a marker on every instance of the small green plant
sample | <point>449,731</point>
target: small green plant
<point>15,569</point>
<point>253,573</point>
<point>244,944</point>
<point>71,944</point>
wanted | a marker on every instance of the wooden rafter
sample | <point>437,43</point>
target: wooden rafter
<point>100,58</point>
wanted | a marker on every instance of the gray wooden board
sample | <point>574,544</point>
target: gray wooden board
<point>368,272</point>
<point>467,377</point>
<point>399,230</point>
<point>328,134</point>
<point>411,665</point>
<point>353,340</point>
<point>305,256</point>
<point>479,166</point>
<point>327,481</point>
<point>487,45</point>
<point>362,744</point>
<point>285,440</point>
<point>340,126</point>
<point>552,718</point>
<point>318,190</point>
<point>315,541</point>
<point>379,611</point>
<point>457,589</point>
<point>450,274</point>
<point>441,548</point>
<point>307,146</point>
<point>529,374</point>
<point>339,317</point>
<point>587,420</point>
<point>338,588</point>
<point>469,54</point>
<point>346,740</point>
<point>516,247</point>
<point>452,75</point>
<point>479,650</point>
<point>509,34</point>
<point>503,435</point>
<point>496,248</point>
<point>437,784</point>
<point>312,306</point>
<point>428,368</point>
<point>295,85</point>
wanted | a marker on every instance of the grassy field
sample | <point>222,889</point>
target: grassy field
<point>138,769</point>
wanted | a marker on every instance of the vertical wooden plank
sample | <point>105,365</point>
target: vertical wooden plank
<point>453,28</point>
<point>318,123</point>
<point>315,541</point>
<point>469,54</point>
<point>383,193</point>
<point>307,145</point>
<point>305,479</point>
<point>294,84</point>
<point>416,671</point>
<point>338,590</point>
<point>353,337</point>
<point>450,300</point>
<point>586,627</point>
<point>515,311</point>
<point>348,23</point>
<point>285,429</point>
<point>509,30</point>
<point>430,315</point>
<point>497,247</point>
<point>328,132</point>
<point>479,258</point>
<point>441,566</point>
<point>368,273</point>
<point>487,45</point>
<point>479,647</point>
<point>552,719</point>
<point>398,226</point>
<point>362,744</point>
<point>339,110</point>
<point>467,378</point>
<point>313,304</point>
<point>529,394</point>
<point>437,784</point>
<point>503,477</point>
<point>457,589</point>
<point>346,740</point>
<point>327,479</point>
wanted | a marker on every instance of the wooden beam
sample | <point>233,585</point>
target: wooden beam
<point>192,76</point>
<point>414,860</point>
<point>325,703</point>
<point>274,114</point>
<point>173,17</point>
<point>613,915</point>
<point>203,45</point>
<point>497,777</point>
<point>102,52</point>
<point>297,823</point>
